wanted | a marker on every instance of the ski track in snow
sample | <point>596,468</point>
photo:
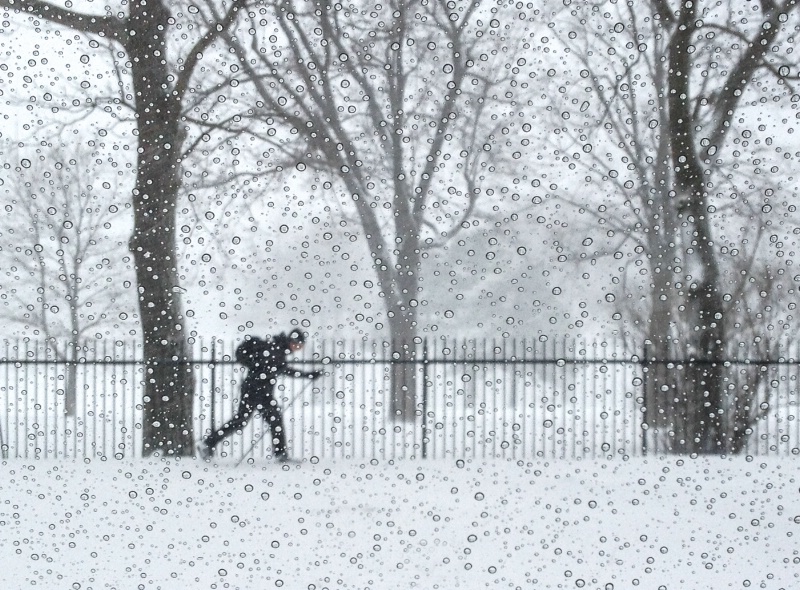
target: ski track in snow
<point>657,523</point>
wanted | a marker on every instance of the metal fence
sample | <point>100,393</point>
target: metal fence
<point>517,399</point>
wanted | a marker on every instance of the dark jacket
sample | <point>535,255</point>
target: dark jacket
<point>266,359</point>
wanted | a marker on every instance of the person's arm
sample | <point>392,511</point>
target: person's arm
<point>285,369</point>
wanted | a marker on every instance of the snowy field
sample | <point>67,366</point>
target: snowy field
<point>658,523</point>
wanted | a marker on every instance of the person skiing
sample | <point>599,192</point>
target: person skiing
<point>265,360</point>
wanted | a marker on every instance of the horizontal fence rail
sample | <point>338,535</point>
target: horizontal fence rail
<point>514,399</point>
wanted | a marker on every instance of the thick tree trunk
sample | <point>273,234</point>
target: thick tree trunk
<point>660,382</point>
<point>707,382</point>
<point>406,357</point>
<point>704,386</point>
<point>402,312</point>
<point>168,379</point>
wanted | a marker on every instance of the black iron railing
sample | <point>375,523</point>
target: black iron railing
<point>514,399</point>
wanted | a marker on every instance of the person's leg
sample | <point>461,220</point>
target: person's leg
<point>273,415</point>
<point>237,422</point>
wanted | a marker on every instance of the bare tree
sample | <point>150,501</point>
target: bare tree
<point>654,84</point>
<point>698,126</point>
<point>400,107</point>
<point>59,243</point>
<point>147,34</point>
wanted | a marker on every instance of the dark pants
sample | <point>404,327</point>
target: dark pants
<point>256,397</point>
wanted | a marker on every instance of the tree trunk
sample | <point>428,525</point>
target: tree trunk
<point>168,379</point>
<point>660,381</point>
<point>402,312</point>
<point>660,391</point>
<point>71,379</point>
<point>704,386</point>
<point>73,346</point>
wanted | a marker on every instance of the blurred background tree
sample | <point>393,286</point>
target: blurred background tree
<point>64,253</point>
<point>665,101</point>
<point>401,109</point>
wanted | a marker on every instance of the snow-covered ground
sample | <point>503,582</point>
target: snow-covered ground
<point>651,523</point>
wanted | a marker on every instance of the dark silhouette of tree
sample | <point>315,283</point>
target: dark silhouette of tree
<point>160,85</point>
<point>669,88</point>
<point>699,121</point>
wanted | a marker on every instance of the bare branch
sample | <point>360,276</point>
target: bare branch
<point>104,26</point>
<point>213,32</point>
<point>748,63</point>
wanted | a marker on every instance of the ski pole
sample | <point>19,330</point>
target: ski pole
<point>260,436</point>
<point>297,395</point>
<point>250,450</point>
<point>3,443</point>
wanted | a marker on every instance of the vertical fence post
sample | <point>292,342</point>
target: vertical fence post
<point>26,389</point>
<point>7,445</point>
<point>125,437</point>
<point>3,447</point>
<point>645,383</point>
<point>424,397</point>
<point>212,415</point>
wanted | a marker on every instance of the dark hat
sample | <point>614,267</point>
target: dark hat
<point>297,336</point>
